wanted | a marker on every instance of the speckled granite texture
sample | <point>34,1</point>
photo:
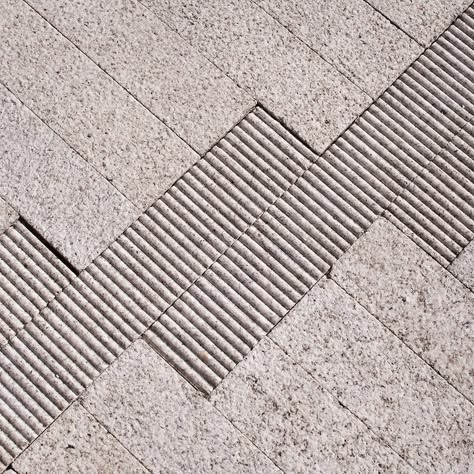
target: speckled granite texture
<point>236,236</point>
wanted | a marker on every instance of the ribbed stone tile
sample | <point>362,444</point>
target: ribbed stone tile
<point>437,209</point>
<point>76,443</point>
<point>8,216</point>
<point>296,422</point>
<point>261,55</point>
<point>463,266</point>
<point>136,152</point>
<point>379,379</point>
<point>63,197</point>
<point>164,422</point>
<point>360,42</point>
<point>421,19</point>
<point>155,64</point>
<point>415,297</point>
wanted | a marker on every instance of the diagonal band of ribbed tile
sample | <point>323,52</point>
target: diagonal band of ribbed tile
<point>236,242</point>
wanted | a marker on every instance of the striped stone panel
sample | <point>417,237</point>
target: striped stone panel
<point>264,273</point>
<point>31,275</point>
<point>437,209</point>
<point>111,303</point>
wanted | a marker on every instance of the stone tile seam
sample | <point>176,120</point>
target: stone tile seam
<point>327,61</point>
<point>88,163</point>
<point>174,132</point>
<point>412,351</point>
<point>379,439</point>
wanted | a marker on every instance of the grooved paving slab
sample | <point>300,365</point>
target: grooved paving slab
<point>372,373</point>
<point>463,266</point>
<point>416,298</point>
<point>8,216</point>
<point>30,277</point>
<point>68,202</point>
<point>142,273</point>
<point>187,92</point>
<point>437,209</point>
<point>352,36</point>
<point>77,443</point>
<point>296,422</point>
<point>276,261</point>
<point>262,56</point>
<point>119,137</point>
<point>165,423</point>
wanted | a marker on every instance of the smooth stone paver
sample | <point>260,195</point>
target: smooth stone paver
<point>155,64</point>
<point>8,216</point>
<point>380,380</point>
<point>123,140</point>
<point>292,81</point>
<point>296,422</point>
<point>352,36</point>
<point>463,266</point>
<point>423,20</point>
<point>76,443</point>
<point>415,297</point>
<point>165,422</point>
<point>76,209</point>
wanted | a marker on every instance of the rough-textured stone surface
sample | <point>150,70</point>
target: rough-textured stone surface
<point>421,19</point>
<point>8,216</point>
<point>415,297</point>
<point>379,379</point>
<point>165,422</point>
<point>76,443</point>
<point>463,266</point>
<point>61,195</point>
<point>181,87</point>
<point>261,55</point>
<point>297,423</point>
<point>352,36</point>
<point>98,118</point>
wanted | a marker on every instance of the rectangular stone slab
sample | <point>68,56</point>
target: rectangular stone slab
<point>164,422</point>
<point>415,297</point>
<point>379,379</point>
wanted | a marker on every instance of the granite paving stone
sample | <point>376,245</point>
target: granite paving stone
<point>125,142</point>
<point>415,297</point>
<point>463,266</point>
<point>424,21</point>
<point>77,443</point>
<point>68,202</point>
<point>352,36</point>
<point>186,91</point>
<point>165,422</point>
<point>295,421</point>
<point>285,75</point>
<point>8,216</point>
<point>376,376</point>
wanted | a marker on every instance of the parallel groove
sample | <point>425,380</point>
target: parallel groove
<point>111,303</point>
<point>272,265</point>
<point>222,256</point>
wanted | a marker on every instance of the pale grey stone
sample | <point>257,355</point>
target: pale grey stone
<point>284,74</point>
<point>351,35</point>
<point>463,266</point>
<point>165,422</point>
<point>415,297</point>
<point>8,216</point>
<point>156,65</point>
<point>123,140</point>
<point>379,379</point>
<point>295,421</point>
<point>76,443</point>
<point>424,20</point>
<point>57,192</point>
